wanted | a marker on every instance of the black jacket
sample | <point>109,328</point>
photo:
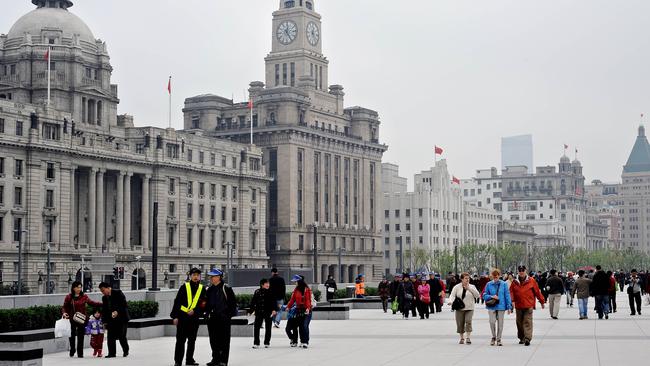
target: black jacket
<point>181,300</point>
<point>278,287</point>
<point>600,284</point>
<point>393,288</point>
<point>262,303</point>
<point>115,302</point>
<point>330,283</point>
<point>221,302</point>
<point>435,288</point>
<point>554,285</point>
<point>405,288</point>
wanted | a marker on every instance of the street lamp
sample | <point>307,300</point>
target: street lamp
<point>20,259</point>
<point>47,288</point>
<point>456,258</point>
<point>341,250</point>
<point>315,226</point>
<point>401,255</point>
<point>229,254</point>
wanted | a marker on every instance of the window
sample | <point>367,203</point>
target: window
<point>277,74</point>
<point>223,213</point>
<point>201,236</point>
<point>189,237</point>
<point>223,161</point>
<point>293,74</point>
<point>234,162</point>
<point>189,155</point>
<point>284,74</point>
<point>2,125</point>
<point>253,239</point>
<point>170,237</point>
<point>172,185</point>
<point>234,193</point>
<point>301,242</point>
<point>223,239</point>
<point>234,214</point>
<point>19,128</point>
<point>396,213</point>
<point>224,192</point>
<point>190,209</point>
<point>190,188</point>
<point>253,195</point>
<point>172,151</point>
<point>139,148</point>
<point>2,195</point>
<point>386,214</point>
<point>408,213</point>
<point>213,191</point>
<point>201,189</point>
<point>419,212</point>
<point>171,209</point>
<point>18,196</point>
<point>49,232</point>
<point>18,228</point>
<point>12,69</point>
<point>213,159</point>
<point>253,216</point>
<point>201,157</point>
<point>50,171</point>
<point>50,131</point>
<point>201,212</point>
<point>49,198</point>
<point>196,122</point>
<point>213,238</point>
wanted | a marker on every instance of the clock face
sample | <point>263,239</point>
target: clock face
<point>287,32</point>
<point>313,34</point>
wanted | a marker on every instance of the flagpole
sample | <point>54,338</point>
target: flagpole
<point>251,104</point>
<point>49,71</point>
<point>170,102</point>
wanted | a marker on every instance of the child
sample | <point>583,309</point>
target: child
<point>95,328</point>
<point>265,309</point>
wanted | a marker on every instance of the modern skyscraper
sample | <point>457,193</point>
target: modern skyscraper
<point>633,196</point>
<point>517,151</point>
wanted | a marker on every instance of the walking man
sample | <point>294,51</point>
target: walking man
<point>581,290</point>
<point>600,290</point>
<point>634,292</point>
<point>569,283</point>
<point>435,290</point>
<point>185,312</point>
<point>278,291</point>
<point>555,289</point>
<point>523,292</point>
<point>115,314</point>
<point>220,308</point>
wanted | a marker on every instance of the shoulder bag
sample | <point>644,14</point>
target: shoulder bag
<point>493,302</point>
<point>458,303</point>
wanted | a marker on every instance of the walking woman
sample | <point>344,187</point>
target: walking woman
<point>424,298</point>
<point>405,296</point>
<point>497,301</point>
<point>299,307</point>
<point>467,294</point>
<point>74,308</point>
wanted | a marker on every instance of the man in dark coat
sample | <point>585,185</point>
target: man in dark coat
<point>600,290</point>
<point>278,292</point>
<point>221,307</point>
<point>264,308</point>
<point>435,288</point>
<point>393,288</point>
<point>186,311</point>
<point>115,314</point>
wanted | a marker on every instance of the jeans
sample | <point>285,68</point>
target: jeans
<point>583,305</point>
<point>268,321</point>
<point>278,316</point>
<point>496,316</point>
<point>305,328</point>
<point>635,298</point>
<point>602,305</point>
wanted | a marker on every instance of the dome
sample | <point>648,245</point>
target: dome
<point>51,19</point>
<point>565,160</point>
<point>576,162</point>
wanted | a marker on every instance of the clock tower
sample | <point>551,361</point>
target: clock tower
<point>296,52</point>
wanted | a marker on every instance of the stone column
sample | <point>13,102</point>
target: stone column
<point>145,211</point>
<point>92,184</point>
<point>73,208</point>
<point>101,237</point>
<point>119,232</point>
<point>127,210</point>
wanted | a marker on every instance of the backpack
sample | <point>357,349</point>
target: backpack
<point>235,311</point>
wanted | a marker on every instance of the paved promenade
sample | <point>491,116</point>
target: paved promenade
<point>371,338</point>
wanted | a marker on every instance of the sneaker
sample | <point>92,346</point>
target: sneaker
<point>267,345</point>
<point>462,341</point>
<point>304,345</point>
<point>255,346</point>
<point>521,341</point>
<point>607,316</point>
<point>493,341</point>
<point>468,341</point>
<point>293,345</point>
<point>276,325</point>
<point>527,343</point>
<point>499,344</point>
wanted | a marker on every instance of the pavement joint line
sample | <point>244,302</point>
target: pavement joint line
<point>541,340</point>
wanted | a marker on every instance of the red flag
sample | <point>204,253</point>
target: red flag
<point>455,180</point>
<point>169,85</point>
<point>47,55</point>
<point>438,150</point>
<point>566,146</point>
<point>250,103</point>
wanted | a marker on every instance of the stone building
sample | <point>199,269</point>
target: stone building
<point>633,198</point>
<point>83,181</point>
<point>325,158</point>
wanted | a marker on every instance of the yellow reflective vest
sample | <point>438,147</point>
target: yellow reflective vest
<point>191,302</point>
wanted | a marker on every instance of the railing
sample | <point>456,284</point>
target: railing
<point>93,82</point>
<point>10,78</point>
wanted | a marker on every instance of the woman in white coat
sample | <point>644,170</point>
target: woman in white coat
<point>467,295</point>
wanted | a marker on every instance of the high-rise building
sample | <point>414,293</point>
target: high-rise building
<point>84,182</point>
<point>325,158</point>
<point>517,151</point>
<point>634,196</point>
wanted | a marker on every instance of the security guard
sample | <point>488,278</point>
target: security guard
<point>221,307</point>
<point>188,307</point>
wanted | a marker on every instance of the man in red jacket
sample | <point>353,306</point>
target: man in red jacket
<point>523,292</point>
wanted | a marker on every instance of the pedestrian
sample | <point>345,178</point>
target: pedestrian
<point>186,310</point>
<point>330,288</point>
<point>581,290</point>
<point>620,278</point>
<point>555,289</point>
<point>482,282</point>
<point>467,294</point>
<point>95,329</point>
<point>221,306</point>
<point>360,287</point>
<point>264,308</point>
<point>523,293</point>
<point>299,306</point>
<point>612,291</point>
<point>634,293</point>
<point>600,291</point>
<point>278,291</point>
<point>424,298</point>
<point>384,293</point>
<point>74,309</point>
<point>450,281</point>
<point>394,290</point>
<point>435,290</point>
<point>568,288</point>
<point>414,304</point>
<point>543,277</point>
<point>115,314</point>
<point>406,296</point>
<point>497,301</point>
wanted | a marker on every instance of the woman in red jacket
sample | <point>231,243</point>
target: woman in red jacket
<point>75,302</point>
<point>299,307</point>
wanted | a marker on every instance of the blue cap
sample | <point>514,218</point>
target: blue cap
<point>215,272</point>
<point>296,278</point>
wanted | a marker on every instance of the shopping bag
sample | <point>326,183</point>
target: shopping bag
<point>62,328</point>
<point>646,301</point>
<point>394,305</point>
<point>250,318</point>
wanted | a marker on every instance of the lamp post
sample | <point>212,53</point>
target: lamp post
<point>456,258</point>
<point>315,226</point>
<point>341,250</point>
<point>401,255</point>
<point>20,259</point>
<point>47,287</point>
<point>230,248</point>
<point>83,268</point>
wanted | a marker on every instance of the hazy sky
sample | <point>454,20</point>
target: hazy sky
<point>457,74</point>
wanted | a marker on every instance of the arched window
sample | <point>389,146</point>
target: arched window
<point>289,4</point>
<point>309,5</point>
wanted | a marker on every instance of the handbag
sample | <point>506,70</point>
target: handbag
<point>62,328</point>
<point>79,318</point>
<point>493,302</point>
<point>458,303</point>
<point>394,306</point>
<point>330,290</point>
